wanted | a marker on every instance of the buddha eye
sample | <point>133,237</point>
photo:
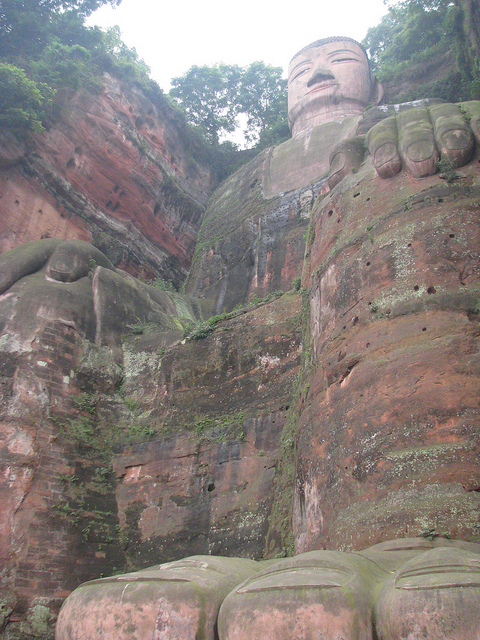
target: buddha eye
<point>300,73</point>
<point>345,60</point>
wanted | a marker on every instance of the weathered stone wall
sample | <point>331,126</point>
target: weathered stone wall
<point>122,458</point>
<point>388,431</point>
<point>115,170</point>
<point>221,403</point>
<point>249,245</point>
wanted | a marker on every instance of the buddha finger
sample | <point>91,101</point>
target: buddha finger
<point>417,142</point>
<point>319,594</point>
<point>453,136</point>
<point>345,158</point>
<point>382,142</point>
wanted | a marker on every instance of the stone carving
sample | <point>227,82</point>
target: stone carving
<point>404,588</point>
<point>329,88</point>
<point>175,600</point>
<point>53,279</point>
<point>417,137</point>
<point>329,80</point>
<point>313,592</point>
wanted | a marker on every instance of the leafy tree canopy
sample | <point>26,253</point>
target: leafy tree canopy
<point>410,27</point>
<point>214,97</point>
<point>416,31</point>
<point>26,24</point>
<point>207,95</point>
<point>23,102</point>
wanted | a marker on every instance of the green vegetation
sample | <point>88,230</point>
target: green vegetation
<point>25,25</point>
<point>160,283</point>
<point>23,103</point>
<point>213,97</point>
<point>85,507</point>
<point>447,169</point>
<point>204,328</point>
<point>136,328</point>
<point>280,536</point>
<point>415,32</point>
<point>45,45</point>
<point>86,402</point>
<point>221,428</point>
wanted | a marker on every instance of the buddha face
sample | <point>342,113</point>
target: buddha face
<point>327,82</point>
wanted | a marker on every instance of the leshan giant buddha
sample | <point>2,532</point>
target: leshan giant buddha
<point>329,88</point>
<point>387,443</point>
<point>267,204</point>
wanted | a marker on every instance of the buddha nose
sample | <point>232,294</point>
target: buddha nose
<point>319,74</point>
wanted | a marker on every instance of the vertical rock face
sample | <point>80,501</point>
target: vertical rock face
<point>114,169</point>
<point>121,446</point>
<point>248,244</point>
<point>205,484</point>
<point>124,445</point>
<point>388,439</point>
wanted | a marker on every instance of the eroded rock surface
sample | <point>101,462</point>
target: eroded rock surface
<point>249,245</point>
<point>388,430</point>
<point>124,444</point>
<point>96,377</point>
<point>115,170</point>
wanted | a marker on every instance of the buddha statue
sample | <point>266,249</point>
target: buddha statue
<point>406,588</point>
<point>329,87</point>
<point>329,90</point>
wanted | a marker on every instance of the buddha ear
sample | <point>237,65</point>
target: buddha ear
<point>377,91</point>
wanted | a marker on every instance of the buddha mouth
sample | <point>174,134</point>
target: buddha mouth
<point>321,85</point>
<point>439,577</point>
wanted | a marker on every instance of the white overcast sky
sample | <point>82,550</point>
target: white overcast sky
<point>172,36</point>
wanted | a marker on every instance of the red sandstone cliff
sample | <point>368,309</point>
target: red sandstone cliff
<point>114,169</point>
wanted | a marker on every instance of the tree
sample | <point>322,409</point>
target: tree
<point>213,97</point>
<point>67,66</point>
<point>263,99</point>
<point>416,31</point>
<point>25,24</point>
<point>23,102</point>
<point>410,27</point>
<point>208,96</point>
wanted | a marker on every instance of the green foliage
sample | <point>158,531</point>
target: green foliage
<point>50,40</point>
<point>67,66</point>
<point>25,25</point>
<point>202,330</point>
<point>137,328</point>
<point>23,102</point>
<point>262,97</point>
<point>213,97</point>
<point>86,402</point>
<point>447,169</point>
<point>205,327</point>
<point>219,429</point>
<point>274,133</point>
<point>81,431</point>
<point>409,28</point>
<point>132,404</point>
<point>140,432</point>
<point>451,88</point>
<point>160,283</point>
<point>206,95</point>
<point>418,31</point>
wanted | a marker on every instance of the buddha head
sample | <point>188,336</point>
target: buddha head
<point>329,80</point>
